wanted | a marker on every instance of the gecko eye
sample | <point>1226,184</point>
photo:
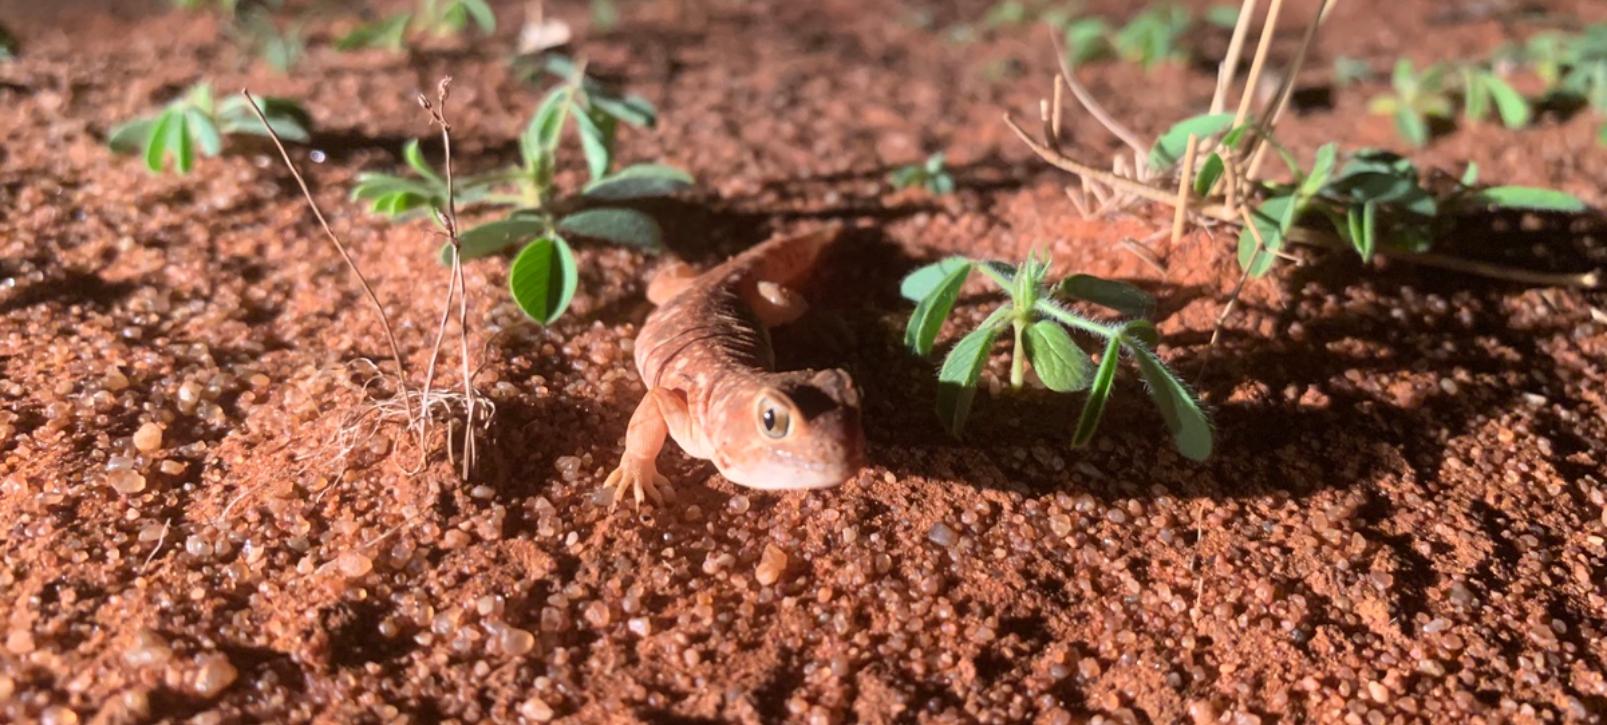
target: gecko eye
<point>776,422</point>
<point>775,417</point>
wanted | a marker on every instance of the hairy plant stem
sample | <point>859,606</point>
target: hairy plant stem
<point>1018,368</point>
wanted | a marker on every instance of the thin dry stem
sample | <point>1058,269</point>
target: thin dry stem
<point>1230,63</point>
<point>1091,105</point>
<point>385,322</point>
<point>1262,48</point>
<point>1180,216</point>
<point>1285,90</point>
<point>449,220</point>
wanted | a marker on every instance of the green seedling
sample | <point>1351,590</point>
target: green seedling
<point>429,18</point>
<point>256,33</point>
<point>1087,40</point>
<point>1038,317</point>
<point>1483,91</point>
<point>1153,36</point>
<point>1417,98</point>
<point>932,175</point>
<point>541,218</point>
<point>194,122</point>
<point>1350,71</point>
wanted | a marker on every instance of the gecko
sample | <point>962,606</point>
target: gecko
<point>712,385</point>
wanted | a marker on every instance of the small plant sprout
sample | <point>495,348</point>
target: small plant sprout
<point>429,18</point>
<point>194,122</point>
<point>1038,319</point>
<point>1153,36</point>
<point>543,276</point>
<point>1417,98</point>
<point>932,174</point>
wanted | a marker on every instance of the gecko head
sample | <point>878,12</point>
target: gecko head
<point>797,430</point>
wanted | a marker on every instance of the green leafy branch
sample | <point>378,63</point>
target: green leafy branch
<point>541,218</point>
<point>194,122</point>
<point>1038,318</point>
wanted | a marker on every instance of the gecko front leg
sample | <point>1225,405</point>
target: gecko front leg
<point>644,438</point>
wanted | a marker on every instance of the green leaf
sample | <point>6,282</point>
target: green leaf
<point>1098,394</point>
<point>638,181</point>
<point>161,133</point>
<point>205,132</point>
<point>1210,171</point>
<point>1471,176</point>
<point>1144,331</point>
<point>539,141</point>
<point>414,156</point>
<point>927,319</point>
<point>634,110</point>
<point>1060,363</point>
<point>1001,273</point>
<point>481,12</point>
<point>133,136</point>
<point>180,144</point>
<point>543,278</point>
<point>958,377</point>
<point>1321,170</point>
<point>1190,429</point>
<point>387,33</point>
<point>596,140</point>
<point>1222,16</point>
<point>920,283</point>
<point>1514,110</point>
<point>1119,296</point>
<point>627,227</point>
<point>1363,224</point>
<point>1526,197</point>
<point>1411,126</point>
<point>1269,221</point>
<point>1169,148</point>
<point>493,237</point>
<point>1085,41</point>
<point>1475,94</point>
<point>285,116</point>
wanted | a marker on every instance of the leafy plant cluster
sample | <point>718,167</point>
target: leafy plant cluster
<point>1151,38</point>
<point>540,216</point>
<point>1038,318</point>
<point>1573,68</point>
<point>1375,200</point>
<point>253,26</point>
<point>932,175</point>
<point>195,122</point>
<point>429,18</point>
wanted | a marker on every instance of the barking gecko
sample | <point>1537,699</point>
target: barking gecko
<point>705,357</point>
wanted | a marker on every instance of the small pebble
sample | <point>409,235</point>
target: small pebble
<point>148,439</point>
<point>353,564</point>
<point>215,674</point>
<point>771,563</point>
<point>125,481</point>
<point>942,535</point>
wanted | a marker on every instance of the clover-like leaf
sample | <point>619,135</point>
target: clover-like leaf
<point>1059,362</point>
<point>1527,197</point>
<point>933,309</point>
<point>920,282</point>
<point>1098,394</point>
<point>493,237</point>
<point>638,181</point>
<point>1181,411</point>
<point>1169,148</point>
<point>628,227</point>
<point>1119,296</point>
<point>543,278</point>
<point>958,377</point>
